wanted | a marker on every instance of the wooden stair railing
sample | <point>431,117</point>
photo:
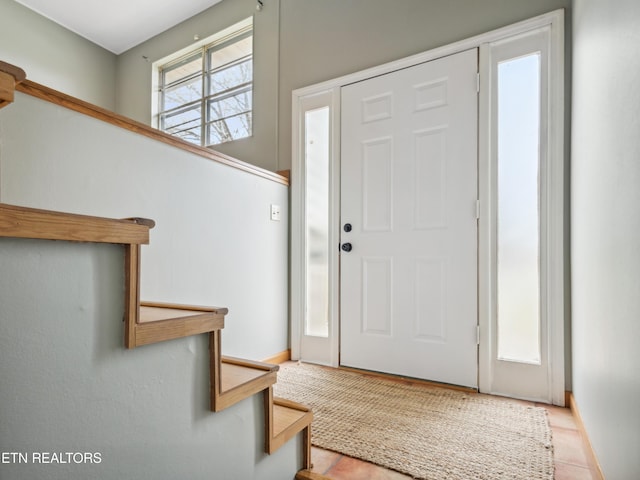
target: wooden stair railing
<point>10,77</point>
<point>24,222</point>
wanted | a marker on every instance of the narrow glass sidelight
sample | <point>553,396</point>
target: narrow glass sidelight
<point>316,146</point>
<point>518,216</point>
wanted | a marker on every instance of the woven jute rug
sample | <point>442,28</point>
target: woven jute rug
<point>423,431</point>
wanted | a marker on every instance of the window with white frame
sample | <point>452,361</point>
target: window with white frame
<point>205,95</point>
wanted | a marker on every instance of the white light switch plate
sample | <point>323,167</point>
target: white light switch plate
<point>275,213</point>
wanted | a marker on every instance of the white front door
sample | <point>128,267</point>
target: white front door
<point>408,292</point>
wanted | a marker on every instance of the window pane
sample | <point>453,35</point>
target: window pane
<point>182,93</point>
<point>317,225</point>
<point>230,106</point>
<point>231,76</point>
<point>192,135</point>
<point>518,209</point>
<point>184,123</point>
<point>230,128</point>
<point>228,53</point>
<point>184,69</point>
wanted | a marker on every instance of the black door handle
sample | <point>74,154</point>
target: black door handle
<point>346,247</point>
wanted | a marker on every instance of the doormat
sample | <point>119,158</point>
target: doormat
<point>423,431</point>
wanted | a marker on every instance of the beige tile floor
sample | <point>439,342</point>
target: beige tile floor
<point>571,458</point>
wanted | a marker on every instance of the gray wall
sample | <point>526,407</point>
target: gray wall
<point>68,385</point>
<point>297,43</point>
<point>326,39</point>
<point>302,42</point>
<point>606,229</point>
<point>55,57</point>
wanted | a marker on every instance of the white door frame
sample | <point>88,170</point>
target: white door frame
<point>555,239</point>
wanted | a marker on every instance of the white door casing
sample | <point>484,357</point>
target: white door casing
<point>544,380</point>
<point>408,291</point>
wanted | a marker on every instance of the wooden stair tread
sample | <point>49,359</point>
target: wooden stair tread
<point>285,417</point>
<point>234,375</point>
<point>156,322</point>
<point>288,418</point>
<point>309,475</point>
<point>158,312</point>
<point>234,379</point>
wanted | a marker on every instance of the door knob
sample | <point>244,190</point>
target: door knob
<point>346,247</point>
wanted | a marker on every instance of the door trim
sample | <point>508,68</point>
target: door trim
<point>324,351</point>
<point>556,240</point>
<point>553,187</point>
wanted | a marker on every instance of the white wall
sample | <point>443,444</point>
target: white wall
<point>55,57</point>
<point>606,229</point>
<point>214,243</point>
<point>68,385</point>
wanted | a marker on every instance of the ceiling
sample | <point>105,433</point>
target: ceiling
<point>118,25</point>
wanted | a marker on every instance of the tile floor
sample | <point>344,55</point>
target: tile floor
<point>570,455</point>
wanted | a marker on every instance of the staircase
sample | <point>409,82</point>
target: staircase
<point>231,379</point>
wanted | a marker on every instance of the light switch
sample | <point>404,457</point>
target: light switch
<point>275,213</point>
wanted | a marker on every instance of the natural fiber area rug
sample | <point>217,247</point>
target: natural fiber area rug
<point>423,431</point>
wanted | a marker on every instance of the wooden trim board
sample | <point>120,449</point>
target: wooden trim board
<point>593,459</point>
<point>278,358</point>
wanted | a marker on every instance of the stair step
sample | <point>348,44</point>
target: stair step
<point>309,475</point>
<point>234,379</point>
<point>157,312</point>
<point>245,379</point>
<point>287,419</point>
<point>165,321</point>
<point>231,379</point>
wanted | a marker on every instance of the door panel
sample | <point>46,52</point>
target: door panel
<point>409,188</point>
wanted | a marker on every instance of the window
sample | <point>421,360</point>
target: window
<point>314,285</point>
<point>518,216</point>
<point>206,94</point>
<point>317,140</point>
<point>523,218</point>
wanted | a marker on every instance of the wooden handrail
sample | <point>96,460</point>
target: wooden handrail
<point>23,222</point>
<point>50,95</point>
<point>10,76</point>
<point>16,72</point>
